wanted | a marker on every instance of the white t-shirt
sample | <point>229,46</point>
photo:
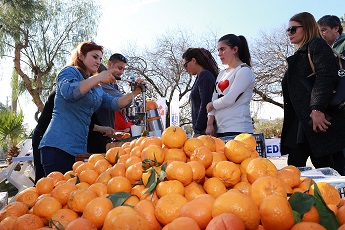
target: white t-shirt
<point>231,100</point>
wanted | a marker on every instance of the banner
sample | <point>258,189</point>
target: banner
<point>162,109</point>
<point>175,110</point>
<point>273,147</point>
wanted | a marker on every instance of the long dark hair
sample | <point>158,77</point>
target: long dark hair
<point>204,58</point>
<point>240,41</point>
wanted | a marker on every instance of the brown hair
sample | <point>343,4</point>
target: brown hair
<point>204,58</point>
<point>310,27</point>
<point>83,48</point>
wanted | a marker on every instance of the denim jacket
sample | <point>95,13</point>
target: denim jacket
<point>69,127</point>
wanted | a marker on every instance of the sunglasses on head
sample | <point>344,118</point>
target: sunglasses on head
<point>292,29</point>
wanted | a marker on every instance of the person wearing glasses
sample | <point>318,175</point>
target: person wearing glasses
<point>306,130</point>
<point>105,117</point>
<point>230,106</point>
<point>332,31</point>
<point>78,96</point>
<point>199,62</point>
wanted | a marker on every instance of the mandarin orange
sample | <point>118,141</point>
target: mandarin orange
<point>227,172</point>
<point>27,222</point>
<point>230,202</point>
<point>78,199</point>
<point>146,209</point>
<point>178,170</point>
<point>265,186</point>
<point>182,223</point>
<point>307,225</point>
<point>236,151</point>
<point>191,144</point>
<point>276,213</point>
<point>174,137</point>
<point>199,209</point>
<point>96,211</point>
<point>226,221</point>
<point>208,141</point>
<point>168,207</point>
<point>203,155</point>
<point>259,167</point>
<point>171,186</point>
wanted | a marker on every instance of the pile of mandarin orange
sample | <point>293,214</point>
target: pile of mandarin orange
<point>171,182</point>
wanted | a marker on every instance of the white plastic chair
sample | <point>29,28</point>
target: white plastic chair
<point>20,179</point>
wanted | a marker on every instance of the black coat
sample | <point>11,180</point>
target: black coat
<point>298,101</point>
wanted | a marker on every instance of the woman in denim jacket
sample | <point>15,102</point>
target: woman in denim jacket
<point>78,96</point>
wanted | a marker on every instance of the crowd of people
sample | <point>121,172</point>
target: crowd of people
<point>86,98</point>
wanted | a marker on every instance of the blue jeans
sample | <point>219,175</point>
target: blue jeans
<point>54,159</point>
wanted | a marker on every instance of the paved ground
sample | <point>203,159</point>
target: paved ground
<point>281,162</point>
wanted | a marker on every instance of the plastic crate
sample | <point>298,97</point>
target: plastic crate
<point>82,157</point>
<point>260,143</point>
<point>326,174</point>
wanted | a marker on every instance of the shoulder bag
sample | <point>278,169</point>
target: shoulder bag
<point>338,99</point>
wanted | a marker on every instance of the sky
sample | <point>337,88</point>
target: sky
<point>142,21</point>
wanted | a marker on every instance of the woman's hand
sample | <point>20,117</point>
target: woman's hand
<point>320,123</point>
<point>210,130</point>
<point>106,76</point>
<point>209,107</point>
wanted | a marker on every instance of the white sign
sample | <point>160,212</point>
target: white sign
<point>175,110</point>
<point>162,109</point>
<point>273,147</point>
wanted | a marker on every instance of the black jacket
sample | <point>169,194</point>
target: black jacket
<point>298,101</point>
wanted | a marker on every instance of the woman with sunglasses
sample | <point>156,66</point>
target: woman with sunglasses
<point>78,96</point>
<point>307,130</point>
<point>199,62</point>
<point>230,106</point>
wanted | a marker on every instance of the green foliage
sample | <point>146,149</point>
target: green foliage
<point>155,176</point>
<point>302,202</point>
<point>327,216</point>
<point>269,128</point>
<point>3,107</point>
<point>16,14</point>
<point>44,33</point>
<point>12,130</point>
<point>119,198</point>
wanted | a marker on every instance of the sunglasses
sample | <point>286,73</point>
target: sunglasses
<point>292,29</point>
<point>185,64</point>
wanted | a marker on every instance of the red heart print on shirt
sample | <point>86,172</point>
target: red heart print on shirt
<point>222,85</point>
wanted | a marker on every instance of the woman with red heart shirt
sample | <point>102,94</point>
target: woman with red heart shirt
<point>199,62</point>
<point>230,106</point>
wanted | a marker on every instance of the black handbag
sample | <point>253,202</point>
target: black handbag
<point>338,99</point>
